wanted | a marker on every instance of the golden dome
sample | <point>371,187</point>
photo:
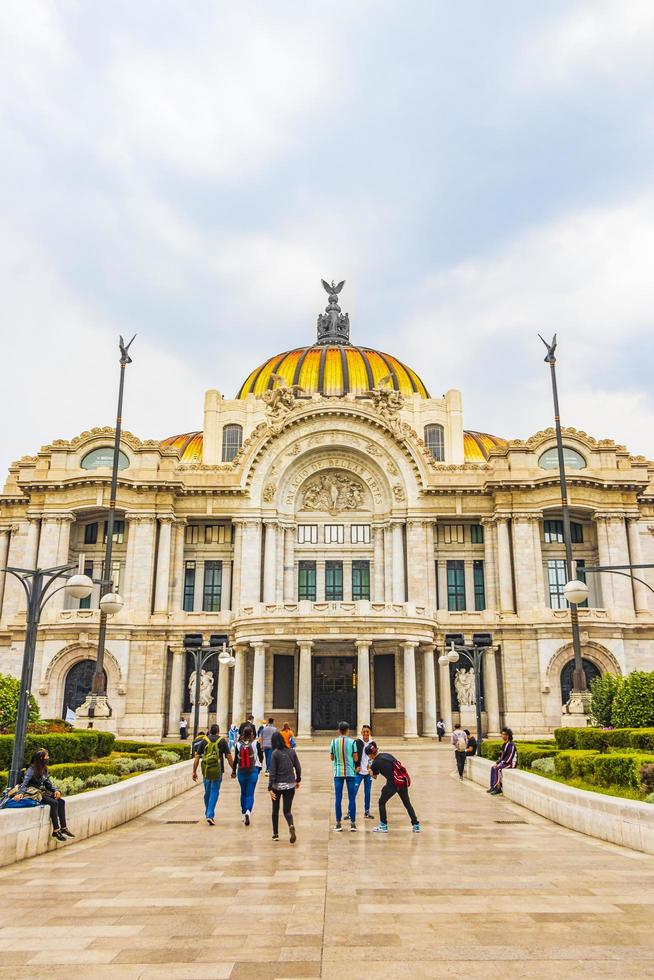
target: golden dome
<point>333,370</point>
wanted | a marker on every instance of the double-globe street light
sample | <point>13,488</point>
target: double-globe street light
<point>37,584</point>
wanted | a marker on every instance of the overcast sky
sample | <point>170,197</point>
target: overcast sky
<point>478,173</point>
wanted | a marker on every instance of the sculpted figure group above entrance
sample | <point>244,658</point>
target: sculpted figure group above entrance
<point>333,492</point>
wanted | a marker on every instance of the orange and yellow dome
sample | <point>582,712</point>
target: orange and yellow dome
<point>334,370</point>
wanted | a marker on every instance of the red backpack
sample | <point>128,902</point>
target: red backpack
<point>401,778</point>
<point>246,757</point>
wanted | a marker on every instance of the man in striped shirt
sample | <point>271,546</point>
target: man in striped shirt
<point>344,759</point>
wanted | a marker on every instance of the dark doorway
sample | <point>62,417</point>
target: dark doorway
<point>334,696</point>
<point>78,685</point>
<point>590,671</point>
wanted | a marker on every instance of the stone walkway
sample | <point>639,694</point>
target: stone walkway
<point>487,890</point>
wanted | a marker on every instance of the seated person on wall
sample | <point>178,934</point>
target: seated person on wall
<point>508,760</point>
<point>37,785</point>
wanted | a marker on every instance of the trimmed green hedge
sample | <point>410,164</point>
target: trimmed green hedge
<point>603,769</point>
<point>183,749</point>
<point>79,770</point>
<point>528,752</point>
<point>602,739</point>
<point>63,747</point>
<point>575,763</point>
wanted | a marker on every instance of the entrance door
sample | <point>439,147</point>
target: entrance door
<point>78,684</point>
<point>334,692</point>
<point>590,671</point>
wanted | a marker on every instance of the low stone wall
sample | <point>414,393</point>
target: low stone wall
<point>609,818</point>
<point>24,833</point>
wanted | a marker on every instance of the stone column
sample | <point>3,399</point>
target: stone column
<point>54,546</point>
<point>363,682</point>
<point>636,557</point>
<point>416,563</point>
<point>445,695</point>
<point>14,596</point>
<point>223,697</point>
<point>177,585</point>
<point>428,691</point>
<point>238,693</point>
<point>431,565</point>
<point>270,561</point>
<point>528,562</point>
<point>604,555</point>
<point>226,586</point>
<point>163,564</point>
<point>140,562</point>
<point>304,690</point>
<point>469,580</point>
<point>623,594</point>
<point>490,564</point>
<point>398,561</point>
<point>410,694</point>
<point>504,564</point>
<point>4,555</point>
<point>251,563</point>
<point>259,681</point>
<point>32,542</point>
<point>378,563</point>
<point>289,564</point>
<point>388,563</point>
<point>491,693</point>
<point>176,702</point>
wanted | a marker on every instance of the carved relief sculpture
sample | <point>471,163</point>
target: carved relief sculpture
<point>206,688</point>
<point>279,401</point>
<point>333,492</point>
<point>464,683</point>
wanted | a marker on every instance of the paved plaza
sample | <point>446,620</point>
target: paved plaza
<point>487,890</point>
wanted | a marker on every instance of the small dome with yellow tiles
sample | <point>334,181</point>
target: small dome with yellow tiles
<point>333,366</point>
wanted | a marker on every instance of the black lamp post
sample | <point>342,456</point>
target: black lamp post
<point>37,585</point>
<point>578,678</point>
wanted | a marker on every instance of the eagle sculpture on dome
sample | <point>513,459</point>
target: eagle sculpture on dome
<point>333,290</point>
<point>333,326</point>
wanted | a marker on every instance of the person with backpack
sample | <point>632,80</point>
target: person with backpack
<point>344,760</point>
<point>363,771</point>
<point>246,766</point>
<point>37,785</point>
<point>265,734</point>
<point>284,779</point>
<point>440,729</point>
<point>397,783</point>
<point>210,753</point>
<point>460,744</point>
<point>508,760</point>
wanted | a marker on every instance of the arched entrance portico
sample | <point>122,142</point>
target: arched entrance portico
<point>591,671</point>
<point>78,685</point>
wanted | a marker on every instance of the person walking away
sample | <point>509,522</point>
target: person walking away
<point>284,779</point>
<point>397,783</point>
<point>362,772</point>
<point>200,737</point>
<point>508,760</point>
<point>460,743</point>
<point>288,736</point>
<point>246,767</point>
<point>440,729</point>
<point>183,729</point>
<point>248,721</point>
<point>232,736</point>
<point>210,755</point>
<point>267,733</point>
<point>344,759</point>
<point>36,778</point>
<point>471,748</point>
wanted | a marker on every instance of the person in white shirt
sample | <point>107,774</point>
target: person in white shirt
<point>460,744</point>
<point>363,774</point>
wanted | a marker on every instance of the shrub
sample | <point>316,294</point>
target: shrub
<point>633,706</point>
<point>647,777</point>
<point>620,770</point>
<point>105,744</point>
<point>566,738</point>
<point>102,779</point>
<point>592,738</point>
<point>78,770</point>
<point>64,747</point>
<point>642,738</point>
<point>545,765</point>
<point>9,693</point>
<point>582,764</point>
<point>649,798</point>
<point>603,690</point>
<point>167,758</point>
<point>70,785</point>
<point>564,761</point>
<point>143,765</point>
<point>183,749</point>
<point>528,752</point>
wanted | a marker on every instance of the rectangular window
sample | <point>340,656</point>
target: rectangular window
<point>119,532</point>
<point>360,580</point>
<point>306,580</point>
<point>581,575</point>
<point>556,579</point>
<point>90,535</point>
<point>360,533</point>
<point>333,581</point>
<point>192,534</point>
<point>554,532</point>
<point>214,534</point>
<point>213,577</point>
<point>452,534</point>
<point>189,585</point>
<point>476,534</point>
<point>115,575</point>
<point>307,534</point>
<point>384,670</point>
<point>283,682</point>
<point>456,586</point>
<point>88,570</point>
<point>334,533</point>
<point>480,593</point>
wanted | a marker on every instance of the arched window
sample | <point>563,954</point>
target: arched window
<point>590,672</point>
<point>435,441</point>
<point>232,441</point>
<point>78,685</point>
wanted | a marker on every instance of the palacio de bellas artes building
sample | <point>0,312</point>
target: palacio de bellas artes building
<point>336,525</point>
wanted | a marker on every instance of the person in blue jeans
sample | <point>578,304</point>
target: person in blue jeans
<point>344,760</point>
<point>362,771</point>
<point>211,752</point>
<point>246,767</point>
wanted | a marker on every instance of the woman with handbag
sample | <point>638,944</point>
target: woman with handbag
<point>36,781</point>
